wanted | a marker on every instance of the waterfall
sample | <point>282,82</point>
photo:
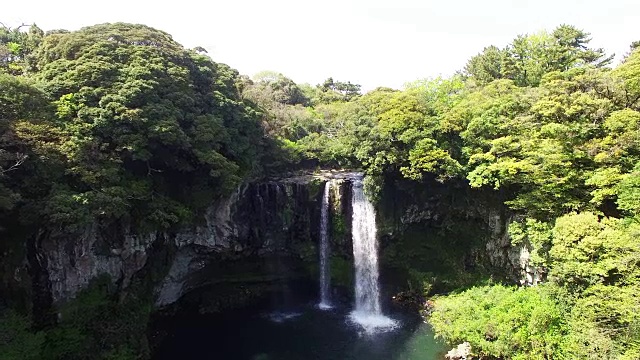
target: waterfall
<point>365,252</point>
<point>367,313</point>
<point>325,276</point>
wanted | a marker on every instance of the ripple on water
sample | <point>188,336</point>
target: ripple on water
<point>280,316</point>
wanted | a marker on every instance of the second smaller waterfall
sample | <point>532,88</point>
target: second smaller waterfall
<point>325,275</point>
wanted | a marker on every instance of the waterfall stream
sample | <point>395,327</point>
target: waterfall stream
<point>325,276</point>
<point>367,312</point>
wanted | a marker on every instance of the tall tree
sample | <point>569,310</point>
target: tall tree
<point>269,86</point>
<point>486,66</point>
<point>19,101</point>
<point>528,57</point>
<point>570,49</point>
<point>17,46</point>
<point>338,91</point>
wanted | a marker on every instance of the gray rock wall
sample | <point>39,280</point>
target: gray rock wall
<point>257,219</point>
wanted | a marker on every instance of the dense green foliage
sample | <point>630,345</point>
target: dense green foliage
<point>590,302</point>
<point>129,124</point>
<point>119,123</point>
<point>95,325</point>
<point>503,322</point>
<point>546,123</point>
<point>114,123</point>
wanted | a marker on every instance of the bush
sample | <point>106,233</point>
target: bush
<point>502,322</point>
<point>98,325</point>
<point>17,341</point>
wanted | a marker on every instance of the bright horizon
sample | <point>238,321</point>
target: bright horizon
<point>372,43</point>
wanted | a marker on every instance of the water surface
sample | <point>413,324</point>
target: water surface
<point>303,333</point>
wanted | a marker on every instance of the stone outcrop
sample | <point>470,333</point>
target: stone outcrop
<point>276,216</point>
<point>460,352</point>
<point>260,218</point>
<point>471,225</point>
<point>503,254</point>
<point>72,260</point>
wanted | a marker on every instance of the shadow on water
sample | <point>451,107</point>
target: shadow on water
<point>299,333</point>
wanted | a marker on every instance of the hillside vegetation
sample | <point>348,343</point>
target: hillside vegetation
<point>119,121</point>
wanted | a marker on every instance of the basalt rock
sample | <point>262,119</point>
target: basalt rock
<point>449,229</point>
<point>239,237</point>
<point>460,352</point>
<point>260,220</point>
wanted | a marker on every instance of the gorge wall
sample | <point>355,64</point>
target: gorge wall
<point>267,231</point>
<point>444,236</point>
<point>277,218</point>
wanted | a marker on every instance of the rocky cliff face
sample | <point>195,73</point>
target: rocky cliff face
<point>72,260</point>
<point>502,254</point>
<point>430,230</point>
<point>258,220</point>
<point>448,231</point>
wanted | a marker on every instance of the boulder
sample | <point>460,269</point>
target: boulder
<point>461,352</point>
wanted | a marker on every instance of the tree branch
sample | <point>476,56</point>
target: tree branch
<point>20,158</point>
<point>14,29</point>
<point>150,169</point>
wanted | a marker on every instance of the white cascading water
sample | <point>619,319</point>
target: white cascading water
<point>367,313</point>
<point>325,277</point>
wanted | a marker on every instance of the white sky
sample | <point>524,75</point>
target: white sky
<point>369,42</point>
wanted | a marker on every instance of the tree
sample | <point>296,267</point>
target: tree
<point>529,57</point>
<point>628,192</point>
<point>19,101</point>
<point>136,112</point>
<point>276,87</point>
<point>570,49</point>
<point>629,74</point>
<point>487,65</point>
<point>17,46</point>
<point>338,91</point>
<point>502,322</point>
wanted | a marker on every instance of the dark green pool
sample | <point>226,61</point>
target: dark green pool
<point>301,333</point>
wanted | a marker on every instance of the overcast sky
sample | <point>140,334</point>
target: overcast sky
<point>369,42</point>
